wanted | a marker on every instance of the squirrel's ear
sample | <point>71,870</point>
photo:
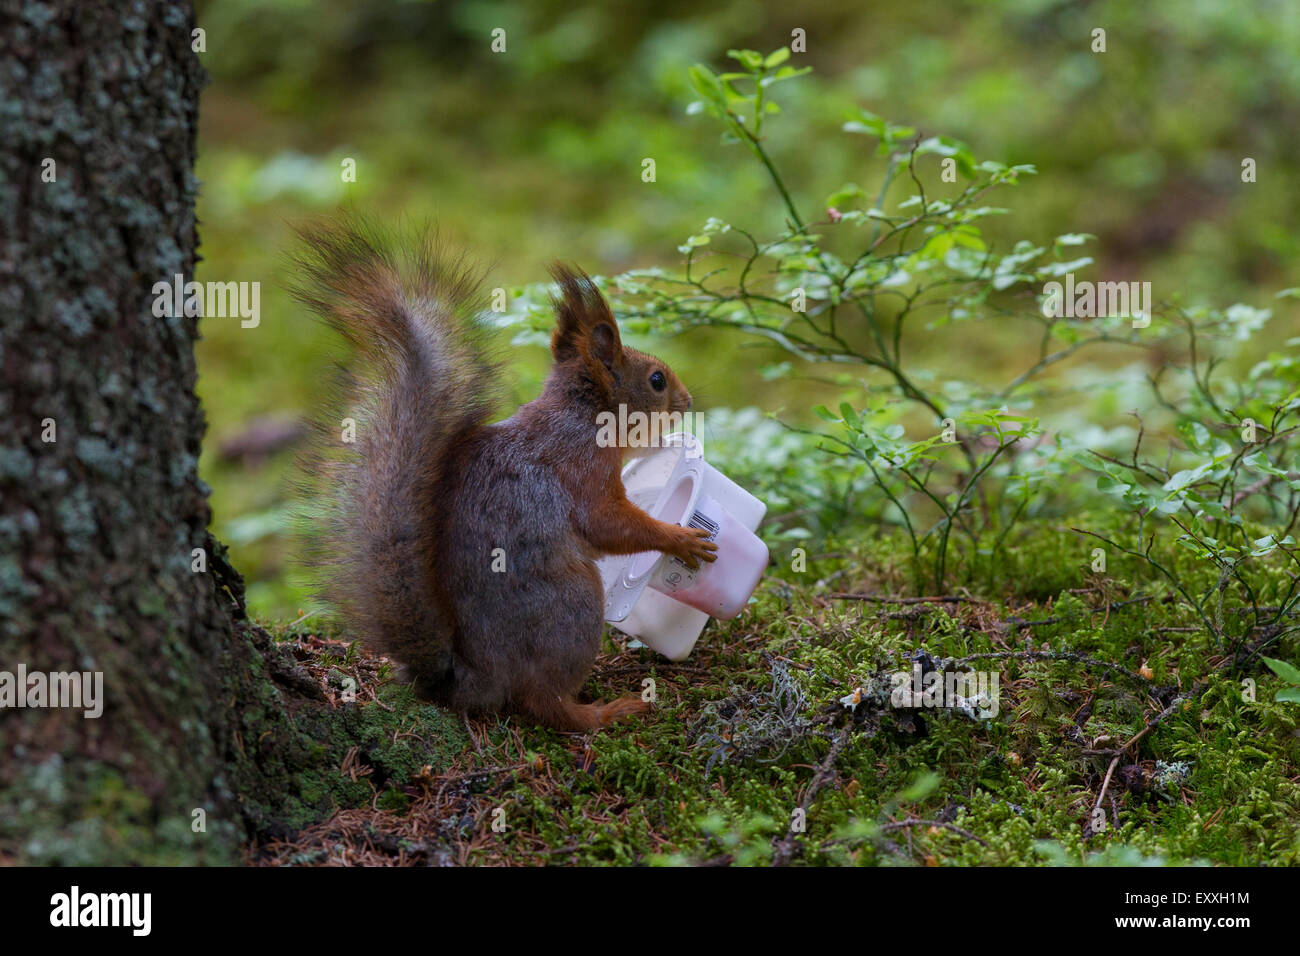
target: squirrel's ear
<point>584,326</point>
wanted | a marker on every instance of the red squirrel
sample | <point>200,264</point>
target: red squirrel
<point>429,491</point>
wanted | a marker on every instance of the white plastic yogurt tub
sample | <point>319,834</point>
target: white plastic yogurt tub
<point>655,597</point>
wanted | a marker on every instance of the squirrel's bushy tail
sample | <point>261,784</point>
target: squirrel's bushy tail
<point>421,376</point>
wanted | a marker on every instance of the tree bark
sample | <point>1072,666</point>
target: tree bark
<point>210,732</point>
<point>98,525</point>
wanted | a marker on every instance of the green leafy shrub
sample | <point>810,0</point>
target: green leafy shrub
<point>953,464</point>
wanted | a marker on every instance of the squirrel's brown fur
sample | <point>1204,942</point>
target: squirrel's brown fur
<point>430,491</point>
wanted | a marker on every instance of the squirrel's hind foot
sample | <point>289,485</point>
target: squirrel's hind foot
<point>564,714</point>
<point>621,707</point>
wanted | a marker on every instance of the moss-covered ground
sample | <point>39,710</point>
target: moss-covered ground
<point>1124,733</point>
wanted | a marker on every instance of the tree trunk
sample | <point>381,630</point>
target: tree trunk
<point>210,732</point>
<point>101,506</point>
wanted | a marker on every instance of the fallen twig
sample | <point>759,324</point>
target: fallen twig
<point>900,824</point>
<point>1151,725</point>
<point>784,849</point>
<point>1067,656</point>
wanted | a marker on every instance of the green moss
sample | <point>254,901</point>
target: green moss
<point>298,778</point>
<point>1223,770</point>
<point>719,768</point>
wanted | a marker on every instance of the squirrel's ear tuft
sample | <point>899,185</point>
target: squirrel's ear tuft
<point>584,324</point>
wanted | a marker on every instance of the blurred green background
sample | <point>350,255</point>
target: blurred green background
<point>535,153</point>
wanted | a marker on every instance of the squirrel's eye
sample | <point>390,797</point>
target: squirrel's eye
<point>658,382</point>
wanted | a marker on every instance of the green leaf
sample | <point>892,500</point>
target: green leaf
<point>1111,486</point>
<point>948,147</point>
<point>776,58</point>
<point>1260,463</point>
<point>708,85</point>
<point>1187,477</point>
<point>751,60</point>
<point>843,195</point>
<point>769,373</point>
<point>1288,672</point>
<point>867,123</point>
<point>785,73</point>
<point>920,788</point>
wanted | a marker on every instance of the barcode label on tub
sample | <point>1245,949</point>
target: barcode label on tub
<point>704,523</point>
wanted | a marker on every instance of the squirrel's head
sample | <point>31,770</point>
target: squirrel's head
<point>586,339</point>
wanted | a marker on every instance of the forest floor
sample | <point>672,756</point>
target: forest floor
<point>1118,732</point>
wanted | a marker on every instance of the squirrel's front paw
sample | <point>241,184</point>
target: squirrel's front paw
<point>694,546</point>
